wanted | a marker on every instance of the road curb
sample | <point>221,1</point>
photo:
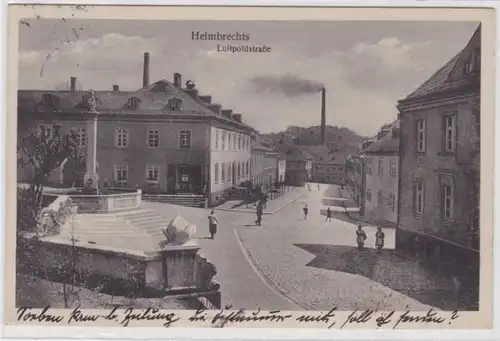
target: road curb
<point>264,213</point>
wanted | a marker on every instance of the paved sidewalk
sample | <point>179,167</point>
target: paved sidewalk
<point>272,206</point>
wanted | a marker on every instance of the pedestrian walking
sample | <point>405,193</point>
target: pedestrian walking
<point>360,237</point>
<point>212,224</point>
<point>328,214</point>
<point>318,187</point>
<point>306,210</point>
<point>260,210</point>
<point>379,240</point>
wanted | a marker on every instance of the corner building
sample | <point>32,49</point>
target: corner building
<point>163,138</point>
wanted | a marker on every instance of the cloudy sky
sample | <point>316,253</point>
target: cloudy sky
<point>365,66</point>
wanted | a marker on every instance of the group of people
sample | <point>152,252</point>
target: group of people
<point>360,233</point>
<point>379,239</point>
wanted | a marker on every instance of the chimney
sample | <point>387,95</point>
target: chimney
<point>145,74</point>
<point>206,99</point>
<point>177,80</point>
<point>323,114</point>
<point>238,117</point>
<point>72,81</point>
<point>116,87</point>
<point>227,113</point>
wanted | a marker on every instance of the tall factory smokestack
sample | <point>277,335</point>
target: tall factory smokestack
<point>145,75</point>
<point>323,114</point>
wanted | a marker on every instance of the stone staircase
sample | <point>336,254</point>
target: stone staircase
<point>137,223</point>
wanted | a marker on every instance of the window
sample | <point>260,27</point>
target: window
<point>121,173</point>
<point>393,202</point>
<point>152,173</point>
<point>81,137</point>
<point>239,142</point>
<point>380,166</point>
<point>418,198</point>
<point>234,142</point>
<point>469,65</point>
<point>121,138</point>
<point>421,135</point>
<point>247,168</point>
<point>368,195</point>
<point>185,139</point>
<point>223,172</point>
<point>50,100</point>
<point>133,103</point>
<point>45,130</point>
<point>229,173</point>
<point>448,202</point>
<point>239,169</point>
<point>174,104</point>
<point>223,140</point>
<point>216,138</point>
<point>449,133</point>
<point>393,167</point>
<point>477,59</point>
<point>380,198</point>
<point>153,138</point>
<point>229,141</point>
<point>216,171</point>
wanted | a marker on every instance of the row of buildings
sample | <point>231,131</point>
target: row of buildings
<point>164,138</point>
<point>421,172</point>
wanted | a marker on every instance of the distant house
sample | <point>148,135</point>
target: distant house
<point>298,166</point>
<point>381,178</point>
<point>327,167</point>
<point>439,175</point>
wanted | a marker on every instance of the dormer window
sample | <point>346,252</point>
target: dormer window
<point>50,100</point>
<point>174,104</point>
<point>133,103</point>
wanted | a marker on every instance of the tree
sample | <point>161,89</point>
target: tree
<point>44,151</point>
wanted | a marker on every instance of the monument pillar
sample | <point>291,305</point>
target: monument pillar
<point>91,178</point>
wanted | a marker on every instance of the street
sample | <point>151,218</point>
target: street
<point>290,263</point>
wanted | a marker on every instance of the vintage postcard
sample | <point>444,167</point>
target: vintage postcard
<point>215,167</point>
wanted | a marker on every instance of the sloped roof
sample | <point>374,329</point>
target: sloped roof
<point>386,144</point>
<point>297,154</point>
<point>442,79</point>
<point>153,100</point>
<point>262,146</point>
<point>318,152</point>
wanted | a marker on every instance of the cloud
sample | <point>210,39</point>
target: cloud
<point>363,80</point>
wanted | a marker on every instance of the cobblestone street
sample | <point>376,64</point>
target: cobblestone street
<point>292,263</point>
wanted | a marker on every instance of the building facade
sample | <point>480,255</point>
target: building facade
<point>381,167</point>
<point>355,179</point>
<point>280,168</point>
<point>328,172</point>
<point>264,164</point>
<point>298,167</point>
<point>161,138</point>
<point>438,205</point>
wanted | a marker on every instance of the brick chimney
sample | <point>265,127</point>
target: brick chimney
<point>145,74</point>
<point>116,87</point>
<point>177,80</point>
<point>72,82</point>
<point>323,114</point>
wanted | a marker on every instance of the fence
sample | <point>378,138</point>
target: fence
<point>190,200</point>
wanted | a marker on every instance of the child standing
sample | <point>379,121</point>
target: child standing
<point>379,240</point>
